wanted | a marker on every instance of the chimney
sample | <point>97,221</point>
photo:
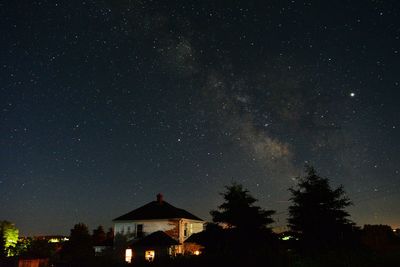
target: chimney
<point>159,198</point>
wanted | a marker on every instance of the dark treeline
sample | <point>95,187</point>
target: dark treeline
<point>320,234</point>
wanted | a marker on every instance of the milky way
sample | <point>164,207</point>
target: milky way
<point>106,103</point>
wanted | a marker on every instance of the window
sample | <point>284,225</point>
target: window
<point>128,255</point>
<point>129,229</point>
<point>149,255</point>
<point>185,230</point>
<point>139,230</point>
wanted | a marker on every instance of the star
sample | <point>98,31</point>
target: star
<point>155,98</point>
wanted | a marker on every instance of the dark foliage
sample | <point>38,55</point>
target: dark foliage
<point>2,246</point>
<point>318,212</point>
<point>239,211</point>
<point>79,248</point>
<point>245,235</point>
<point>39,248</point>
<point>99,236</point>
<point>109,237</point>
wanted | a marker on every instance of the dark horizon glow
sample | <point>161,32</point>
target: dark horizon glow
<point>106,103</point>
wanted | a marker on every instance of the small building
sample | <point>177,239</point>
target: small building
<point>157,243</point>
<point>157,221</point>
<point>102,247</point>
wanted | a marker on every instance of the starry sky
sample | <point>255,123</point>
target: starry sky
<point>104,104</point>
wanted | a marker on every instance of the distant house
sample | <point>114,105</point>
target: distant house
<point>102,246</point>
<point>157,225</point>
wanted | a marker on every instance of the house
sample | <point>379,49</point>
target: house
<point>157,221</point>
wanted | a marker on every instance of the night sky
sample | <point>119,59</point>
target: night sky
<point>104,104</point>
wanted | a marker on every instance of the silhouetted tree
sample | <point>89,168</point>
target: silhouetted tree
<point>99,236</point>
<point>22,246</point>
<point>79,249</point>
<point>39,248</point>
<point>239,210</point>
<point>2,247</point>
<point>244,236</point>
<point>318,212</point>
<point>110,237</point>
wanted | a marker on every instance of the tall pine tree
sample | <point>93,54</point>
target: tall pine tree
<point>246,235</point>
<point>318,213</point>
<point>239,210</point>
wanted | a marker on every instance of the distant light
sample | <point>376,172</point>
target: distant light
<point>197,253</point>
<point>352,94</point>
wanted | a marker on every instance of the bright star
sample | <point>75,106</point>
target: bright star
<point>352,94</point>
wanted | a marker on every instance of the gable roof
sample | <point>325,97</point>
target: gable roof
<point>158,238</point>
<point>159,209</point>
<point>196,238</point>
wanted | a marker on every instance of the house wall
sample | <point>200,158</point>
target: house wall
<point>173,227</point>
<point>149,226</point>
<point>192,228</point>
<point>124,228</point>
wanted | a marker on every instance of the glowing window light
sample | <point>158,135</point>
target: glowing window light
<point>149,255</point>
<point>128,255</point>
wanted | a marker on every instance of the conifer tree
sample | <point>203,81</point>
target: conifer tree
<point>317,211</point>
<point>239,210</point>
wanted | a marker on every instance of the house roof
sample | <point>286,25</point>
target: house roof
<point>158,209</point>
<point>158,238</point>
<point>195,238</point>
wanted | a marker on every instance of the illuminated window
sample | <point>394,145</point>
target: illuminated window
<point>139,230</point>
<point>171,251</point>
<point>128,255</point>
<point>149,255</point>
